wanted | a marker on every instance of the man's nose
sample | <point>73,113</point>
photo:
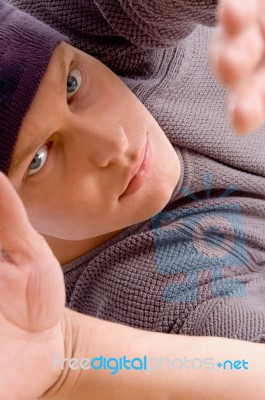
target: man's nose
<point>102,141</point>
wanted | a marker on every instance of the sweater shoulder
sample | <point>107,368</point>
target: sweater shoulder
<point>154,23</point>
<point>148,24</point>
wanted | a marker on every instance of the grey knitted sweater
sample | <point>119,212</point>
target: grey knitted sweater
<point>198,267</point>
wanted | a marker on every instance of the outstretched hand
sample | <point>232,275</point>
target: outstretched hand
<point>237,58</point>
<point>32,298</point>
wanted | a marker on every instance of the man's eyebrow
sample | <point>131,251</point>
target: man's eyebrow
<point>63,70</point>
<point>62,75</point>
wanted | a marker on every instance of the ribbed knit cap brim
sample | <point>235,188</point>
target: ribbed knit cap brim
<point>26,47</point>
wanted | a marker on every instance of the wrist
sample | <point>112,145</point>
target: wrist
<point>66,330</point>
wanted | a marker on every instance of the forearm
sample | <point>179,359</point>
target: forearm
<point>90,337</point>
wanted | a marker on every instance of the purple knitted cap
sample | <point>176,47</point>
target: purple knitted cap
<point>26,46</point>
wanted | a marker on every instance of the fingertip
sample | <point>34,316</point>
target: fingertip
<point>228,67</point>
<point>3,176</point>
<point>235,15</point>
<point>225,60</point>
<point>220,63</point>
<point>11,207</point>
<point>246,114</point>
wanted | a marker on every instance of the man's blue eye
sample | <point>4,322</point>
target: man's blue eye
<point>74,81</point>
<point>39,160</point>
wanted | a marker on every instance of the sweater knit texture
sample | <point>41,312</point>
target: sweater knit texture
<point>198,266</point>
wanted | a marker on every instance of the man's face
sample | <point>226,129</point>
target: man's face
<point>84,137</point>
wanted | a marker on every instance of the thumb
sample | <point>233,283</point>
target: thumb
<point>15,229</point>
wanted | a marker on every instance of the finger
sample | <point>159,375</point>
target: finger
<point>236,15</point>
<point>15,229</point>
<point>246,104</point>
<point>262,23</point>
<point>232,59</point>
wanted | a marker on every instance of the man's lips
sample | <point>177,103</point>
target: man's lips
<point>136,168</point>
<point>140,167</point>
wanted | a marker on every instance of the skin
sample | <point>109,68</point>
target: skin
<point>92,138</point>
<point>237,60</point>
<point>34,325</point>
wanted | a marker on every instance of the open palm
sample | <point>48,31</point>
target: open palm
<point>32,298</point>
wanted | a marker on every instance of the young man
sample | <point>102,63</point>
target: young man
<point>83,139</point>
